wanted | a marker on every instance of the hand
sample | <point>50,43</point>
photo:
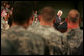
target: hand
<point>61,23</point>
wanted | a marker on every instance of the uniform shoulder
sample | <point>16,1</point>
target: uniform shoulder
<point>75,31</point>
<point>45,31</point>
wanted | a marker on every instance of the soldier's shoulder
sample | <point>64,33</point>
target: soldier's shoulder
<point>12,32</point>
<point>76,31</point>
<point>45,31</point>
<point>76,34</point>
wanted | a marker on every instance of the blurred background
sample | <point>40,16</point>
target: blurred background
<point>65,6</point>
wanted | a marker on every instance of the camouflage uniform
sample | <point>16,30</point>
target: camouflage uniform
<point>74,39</point>
<point>40,40</point>
<point>54,40</point>
<point>68,43</point>
<point>21,42</point>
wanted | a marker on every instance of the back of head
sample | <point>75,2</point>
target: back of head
<point>73,16</point>
<point>22,11</point>
<point>48,14</point>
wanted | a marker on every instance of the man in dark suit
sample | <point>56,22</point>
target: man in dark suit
<point>58,16</point>
<point>59,25</point>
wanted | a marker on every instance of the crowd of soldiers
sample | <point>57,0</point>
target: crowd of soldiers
<point>32,35</point>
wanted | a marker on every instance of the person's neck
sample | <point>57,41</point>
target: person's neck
<point>72,25</point>
<point>24,25</point>
<point>46,23</point>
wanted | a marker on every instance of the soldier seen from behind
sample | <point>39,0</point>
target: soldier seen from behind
<point>53,38</point>
<point>17,40</point>
<point>75,34</point>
